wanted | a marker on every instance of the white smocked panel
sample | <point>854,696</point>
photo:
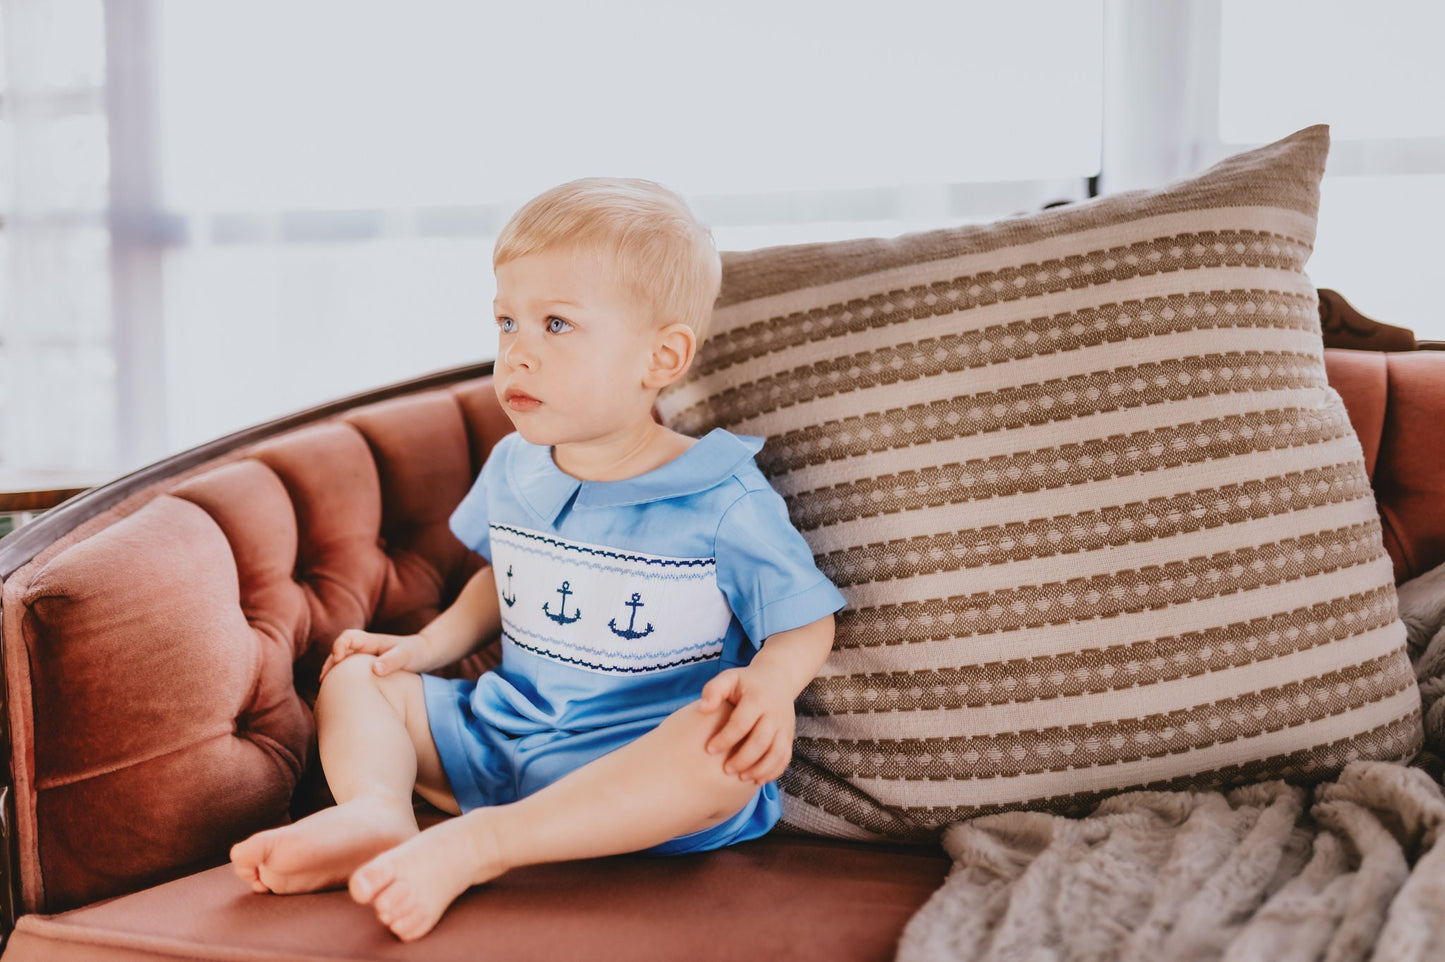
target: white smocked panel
<point>605,610</point>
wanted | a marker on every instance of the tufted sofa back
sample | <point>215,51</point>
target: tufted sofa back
<point>1396,403</point>
<point>160,658</point>
<point>160,655</point>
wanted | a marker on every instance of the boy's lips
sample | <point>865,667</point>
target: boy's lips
<point>520,401</point>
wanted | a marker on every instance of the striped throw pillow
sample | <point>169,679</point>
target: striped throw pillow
<point>1099,517</point>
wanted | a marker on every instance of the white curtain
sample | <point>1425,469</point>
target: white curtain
<point>57,367</point>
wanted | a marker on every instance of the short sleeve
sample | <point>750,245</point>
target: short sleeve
<point>471,522</point>
<point>766,569</point>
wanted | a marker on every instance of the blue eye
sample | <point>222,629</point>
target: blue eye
<point>555,325</point>
<point>507,325</point>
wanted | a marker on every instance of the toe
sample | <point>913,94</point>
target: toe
<point>392,902</point>
<point>367,881</point>
<point>265,884</point>
<point>249,857</point>
<point>249,873</point>
<point>412,927</point>
<point>248,853</point>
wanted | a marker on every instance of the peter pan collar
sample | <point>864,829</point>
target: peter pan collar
<point>547,489</point>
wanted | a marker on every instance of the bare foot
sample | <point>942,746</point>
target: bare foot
<point>411,885</point>
<point>323,849</point>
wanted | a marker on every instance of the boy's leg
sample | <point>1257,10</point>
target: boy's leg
<point>659,787</point>
<point>375,747</point>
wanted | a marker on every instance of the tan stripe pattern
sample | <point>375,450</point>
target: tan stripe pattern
<point>1061,749</point>
<point>1064,466</point>
<point>1167,584</point>
<point>1146,662</point>
<point>1073,397</point>
<point>806,785</point>
<point>1153,256</point>
<point>949,353</point>
<point>1116,525</point>
<point>1101,522</point>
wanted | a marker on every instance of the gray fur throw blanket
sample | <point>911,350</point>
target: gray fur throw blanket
<point>1272,872</point>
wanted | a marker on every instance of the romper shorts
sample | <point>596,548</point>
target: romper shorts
<point>487,766</point>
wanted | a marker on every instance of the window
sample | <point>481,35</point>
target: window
<point>57,368</point>
<point>335,211</point>
<point>1373,72</point>
<point>216,213</point>
<point>370,105</point>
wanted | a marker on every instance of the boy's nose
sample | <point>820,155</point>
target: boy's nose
<point>520,355</point>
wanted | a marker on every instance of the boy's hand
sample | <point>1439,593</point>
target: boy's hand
<point>393,652</point>
<point>757,740</point>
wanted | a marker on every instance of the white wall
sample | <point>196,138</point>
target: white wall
<point>251,207</point>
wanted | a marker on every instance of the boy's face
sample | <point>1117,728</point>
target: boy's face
<point>573,349</point>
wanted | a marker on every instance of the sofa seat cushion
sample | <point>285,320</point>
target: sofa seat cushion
<point>841,901</point>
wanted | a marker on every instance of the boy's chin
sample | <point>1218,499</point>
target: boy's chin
<point>534,433</point>
<point>547,432</point>
<point>529,432</point>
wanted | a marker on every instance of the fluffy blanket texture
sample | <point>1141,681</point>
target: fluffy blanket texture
<point>1346,870</point>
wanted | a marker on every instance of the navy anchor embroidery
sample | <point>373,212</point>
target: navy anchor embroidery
<point>509,596</point>
<point>561,617</point>
<point>629,634</point>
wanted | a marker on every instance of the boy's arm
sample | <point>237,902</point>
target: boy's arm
<point>472,618</point>
<point>795,657</point>
<point>758,738</point>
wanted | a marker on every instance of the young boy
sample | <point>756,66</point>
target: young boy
<point>634,572</point>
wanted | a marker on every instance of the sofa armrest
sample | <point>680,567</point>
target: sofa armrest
<point>162,635</point>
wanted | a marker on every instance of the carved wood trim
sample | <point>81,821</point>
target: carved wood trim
<point>1344,326</point>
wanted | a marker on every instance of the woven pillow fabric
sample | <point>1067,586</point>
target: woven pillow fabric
<point>1099,517</point>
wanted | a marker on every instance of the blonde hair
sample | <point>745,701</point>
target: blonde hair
<point>642,231</point>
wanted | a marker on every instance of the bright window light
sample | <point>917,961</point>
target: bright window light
<point>274,104</point>
<point>1379,245</point>
<point>1369,70</point>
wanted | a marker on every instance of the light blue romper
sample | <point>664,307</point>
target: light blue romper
<point>619,600</point>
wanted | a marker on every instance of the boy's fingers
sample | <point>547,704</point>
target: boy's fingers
<point>737,727</point>
<point>389,661</point>
<point>717,690</point>
<point>772,765</point>
<point>749,752</point>
<point>348,645</point>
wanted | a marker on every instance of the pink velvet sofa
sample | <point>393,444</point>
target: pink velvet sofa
<point>162,637</point>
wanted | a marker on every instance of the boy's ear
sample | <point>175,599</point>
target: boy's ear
<point>673,349</point>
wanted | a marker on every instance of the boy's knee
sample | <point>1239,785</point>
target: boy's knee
<point>693,724</point>
<point>354,675</point>
<point>691,728</point>
<point>350,671</point>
